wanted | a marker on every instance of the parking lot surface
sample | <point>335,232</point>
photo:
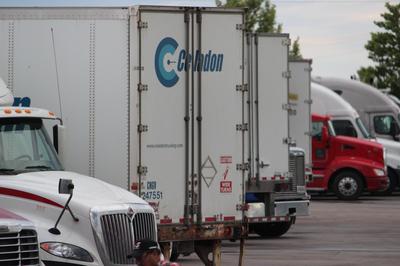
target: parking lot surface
<point>364,232</point>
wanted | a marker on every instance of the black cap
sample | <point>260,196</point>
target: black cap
<point>143,246</point>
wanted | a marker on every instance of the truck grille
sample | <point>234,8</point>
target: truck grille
<point>121,232</point>
<point>296,167</point>
<point>19,248</point>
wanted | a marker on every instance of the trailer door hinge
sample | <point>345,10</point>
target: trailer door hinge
<point>242,88</point>
<point>288,175</point>
<point>308,69</point>
<point>142,87</point>
<point>286,74</point>
<point>289,141</point>
<point>242,207</point>
<point>242,166</point>
<point>142,24</point>
<point>142,170</point>
<point>240,26</point>
<point>242,127</point>
<point>142,128</point>
<point>308,101</point>
<point>287,107</point>
<point>286,42</point>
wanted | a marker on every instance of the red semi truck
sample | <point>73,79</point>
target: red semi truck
<point>344,165</point>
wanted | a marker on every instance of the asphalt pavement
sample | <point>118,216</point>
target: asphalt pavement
<point>337,233</point>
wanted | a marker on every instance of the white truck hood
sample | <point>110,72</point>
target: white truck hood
<point>393,152</point>
<point>88,192</point>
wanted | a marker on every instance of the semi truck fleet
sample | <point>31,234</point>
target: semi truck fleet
<point>160,109</point>
<point>343,165</point>
<point>347,122</point>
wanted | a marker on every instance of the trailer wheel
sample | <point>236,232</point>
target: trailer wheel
<point>272,230</point>
<point>348,185</point>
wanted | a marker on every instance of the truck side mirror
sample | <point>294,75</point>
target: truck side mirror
<point>65,186</point>
<point>394,130</point>
<point>324,134</point>
<point>59,140</point>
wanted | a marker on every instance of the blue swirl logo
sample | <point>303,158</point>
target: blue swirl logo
<point>168,78</point>
<point>169,62</point>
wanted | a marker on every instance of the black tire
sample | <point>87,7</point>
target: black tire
<point>348,185</point>
<point>272,230</point>
<point>393,183</point>
<point>174,252</point>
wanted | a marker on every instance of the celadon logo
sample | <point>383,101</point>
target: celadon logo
<point>168,62</point>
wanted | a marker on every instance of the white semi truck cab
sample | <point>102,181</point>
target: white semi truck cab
<point>101,223</point>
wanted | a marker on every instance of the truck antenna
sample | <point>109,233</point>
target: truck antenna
<point>57,78</point>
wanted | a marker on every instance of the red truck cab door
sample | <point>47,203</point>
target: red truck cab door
<point>320,146</point>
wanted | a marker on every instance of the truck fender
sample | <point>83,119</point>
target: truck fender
<point>362,167</point>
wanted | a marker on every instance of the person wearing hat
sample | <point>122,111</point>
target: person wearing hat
<point>147,253</point>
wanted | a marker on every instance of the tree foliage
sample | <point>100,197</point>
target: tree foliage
<point>261,17</point>
<point>295,52</point>
<point>384,50</point>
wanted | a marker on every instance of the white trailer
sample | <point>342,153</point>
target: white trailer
<point>149,96</point>
<point>275,185</point>
<point>300,106</point>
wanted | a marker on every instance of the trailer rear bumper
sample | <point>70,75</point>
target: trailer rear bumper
<point>292,208</point>
<point>282,209</point>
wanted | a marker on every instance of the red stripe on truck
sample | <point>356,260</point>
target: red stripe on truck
<point>28,196</point>
<point>210,219</point>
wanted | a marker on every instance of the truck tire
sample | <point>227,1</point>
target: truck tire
<point>348,185</point>
<point>272,230</point>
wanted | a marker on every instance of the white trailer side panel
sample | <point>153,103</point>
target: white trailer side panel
<point>270,95</point>
<point>172,90</point>
<point>300,100</point>
<point>91,47</point>
<point>222,110</point>
<point>162,110</point>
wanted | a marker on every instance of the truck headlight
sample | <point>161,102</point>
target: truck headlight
<point>379,172</point>
<point>66,251</point>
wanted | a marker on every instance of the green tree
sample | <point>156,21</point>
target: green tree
<point>261,17</point>
<point>384,50</point>
<point>295,50</point>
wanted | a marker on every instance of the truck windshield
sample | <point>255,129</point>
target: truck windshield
<point>25,147</point>
<point>362,128</point>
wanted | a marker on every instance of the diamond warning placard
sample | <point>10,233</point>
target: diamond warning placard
<point>208,171</point>
<point>225,187</point>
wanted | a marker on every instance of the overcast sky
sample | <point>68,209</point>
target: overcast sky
<point>332,32</point>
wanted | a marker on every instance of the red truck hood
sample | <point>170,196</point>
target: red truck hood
<point>360,147</point>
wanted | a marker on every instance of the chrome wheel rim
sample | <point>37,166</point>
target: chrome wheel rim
<point>347,186</point>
